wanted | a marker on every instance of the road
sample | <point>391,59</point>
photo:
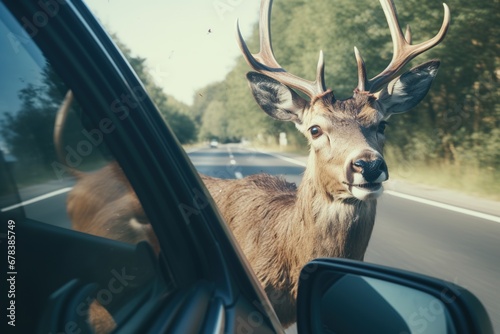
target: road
<point>44,202</point>
<point>420,237</point>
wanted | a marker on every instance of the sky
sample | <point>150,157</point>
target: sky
<point>187,43</point>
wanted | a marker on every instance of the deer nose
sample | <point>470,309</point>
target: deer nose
<point>370,170</point>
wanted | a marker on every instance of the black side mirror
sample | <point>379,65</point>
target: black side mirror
<point>340,296</point>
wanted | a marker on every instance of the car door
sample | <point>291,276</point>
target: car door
<point>67,204</point>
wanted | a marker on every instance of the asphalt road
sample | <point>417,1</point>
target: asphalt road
<point>420,237</point>
<point>45,202</point>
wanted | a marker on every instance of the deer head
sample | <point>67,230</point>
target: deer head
<point>346,137</point>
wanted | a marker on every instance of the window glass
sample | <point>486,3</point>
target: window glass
<point>64,176</point>
<point>66,183</point>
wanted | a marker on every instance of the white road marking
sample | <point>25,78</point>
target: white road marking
<point>37,199</point>
<point>453,208</point>
<point>287,159</point>
<point>192,149</point>
<point>445,206</point>
<point>232,162</point>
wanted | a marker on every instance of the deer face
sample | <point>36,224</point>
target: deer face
<point>346,137</point>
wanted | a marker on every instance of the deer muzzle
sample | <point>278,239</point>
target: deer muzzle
<point>365,174</point>
<point>371,170</point>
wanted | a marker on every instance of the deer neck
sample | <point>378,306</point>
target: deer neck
<point>340,226</point>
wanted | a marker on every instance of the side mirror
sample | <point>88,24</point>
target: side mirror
<point>344,296</point>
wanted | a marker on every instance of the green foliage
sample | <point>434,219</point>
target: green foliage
<point>174,112</point>
<point>28,131</point>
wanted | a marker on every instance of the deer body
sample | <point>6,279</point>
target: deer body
<point>103,203</point>
<point>281,228</point>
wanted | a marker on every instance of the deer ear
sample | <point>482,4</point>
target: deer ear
<point>407,90</point>
<point>276,99</point>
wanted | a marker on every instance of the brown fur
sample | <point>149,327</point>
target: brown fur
<point>281,228</point>
<point>103,203</point>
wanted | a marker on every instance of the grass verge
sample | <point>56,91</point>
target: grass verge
<point>467,179</point>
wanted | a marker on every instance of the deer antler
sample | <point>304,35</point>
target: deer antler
<point>265,62</point>
<point>403,50</point>
<point>60,121</point>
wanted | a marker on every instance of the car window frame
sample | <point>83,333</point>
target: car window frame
<point>83,54</point>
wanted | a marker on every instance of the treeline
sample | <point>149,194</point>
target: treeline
<point>28,131</point>
<point>458,122</point>
<point>173,111</point>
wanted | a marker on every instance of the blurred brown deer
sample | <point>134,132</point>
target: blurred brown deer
<point>102,203</point>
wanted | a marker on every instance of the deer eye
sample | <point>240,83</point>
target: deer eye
<point>381,127</point>
<point>315,131</point>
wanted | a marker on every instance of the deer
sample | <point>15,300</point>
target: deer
<point>104,204</point>
<point>281,227</point>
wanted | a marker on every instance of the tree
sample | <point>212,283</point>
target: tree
<point>180,122</point>
<point>28,131</point>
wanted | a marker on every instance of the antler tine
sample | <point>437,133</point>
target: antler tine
<point>266,47</point>
<point>60,121</point>
<point>408,36</point>
<point>404,51</point>
<point>265,62</point>
<point>361,71</point>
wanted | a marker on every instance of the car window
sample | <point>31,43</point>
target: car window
<point>54,178</point>
<point>62,177</point>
